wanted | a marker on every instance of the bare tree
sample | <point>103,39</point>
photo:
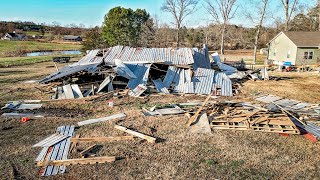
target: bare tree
<point>222,12</point>
<point>289,8</point>
<point>180,9</point>
<point>319,14</point>
<point>261,6</point>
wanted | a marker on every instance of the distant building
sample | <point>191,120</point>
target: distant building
<point>72,38</point>
<point>14,36</point>
<point>298,48</point>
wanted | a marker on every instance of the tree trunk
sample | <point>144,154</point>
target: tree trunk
<point>265,2</point>
<point>222,38</point>
<point>178,36</point>
<point>255,49</point>
<point>286,9</point>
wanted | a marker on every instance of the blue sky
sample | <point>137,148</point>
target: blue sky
<point>91,12</point>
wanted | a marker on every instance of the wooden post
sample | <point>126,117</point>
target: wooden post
<point>92,86</point>
<point>55,64</point>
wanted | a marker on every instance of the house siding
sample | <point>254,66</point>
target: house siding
<point>313,61</point>
<point>279,49</point>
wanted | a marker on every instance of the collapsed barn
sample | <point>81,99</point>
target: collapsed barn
<point>166,70</point>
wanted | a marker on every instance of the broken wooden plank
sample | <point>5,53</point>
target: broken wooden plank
<point>140,135</point>
<point>101,139</point>
<point>191,120</point>
<point>103,119</point>
<point>68,162</point>
<point>87,150</point>
<point>73,144</point>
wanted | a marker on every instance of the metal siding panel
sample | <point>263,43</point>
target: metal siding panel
<point>169,76</point>
<point>142,73</point>
<point>203,79</point>
<point>160,86</point>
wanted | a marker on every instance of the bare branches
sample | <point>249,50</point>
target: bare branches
<point>222,11</point>
<point>180,9</point>
<point>290,7</point>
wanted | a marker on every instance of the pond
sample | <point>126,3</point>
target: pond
<point>47,53</point>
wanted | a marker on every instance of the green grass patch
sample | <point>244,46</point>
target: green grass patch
<point>17,47</point>
<point>20,61</point>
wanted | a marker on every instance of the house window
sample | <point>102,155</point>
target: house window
<point>308,55</point>
<point>289,54</point>
<point>275,52</point>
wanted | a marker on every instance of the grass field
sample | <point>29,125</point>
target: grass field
<point>7,48</point>
<point>19,61</point>
<point>180,155</point>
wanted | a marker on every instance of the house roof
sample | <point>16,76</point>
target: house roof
<point>71,37</point>
<point>304,39</point>
<point>16,35</point>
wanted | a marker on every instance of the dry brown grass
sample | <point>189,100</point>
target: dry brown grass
<point>296,85</point>
<point>180,155</point>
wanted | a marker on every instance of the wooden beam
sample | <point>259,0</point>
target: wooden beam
<point>87,150</point>
<point>101,139</point>
<point>68,162</point>
<point>193,118</point>
<point>140,135</point>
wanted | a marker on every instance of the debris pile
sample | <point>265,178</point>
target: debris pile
<point>53,158</point>
<point>165,70</point>
<point>22,109</point>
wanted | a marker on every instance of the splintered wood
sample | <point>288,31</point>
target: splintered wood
<point>256,120</point>
<point>140,135</point>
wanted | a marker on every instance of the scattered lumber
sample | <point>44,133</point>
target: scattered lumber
<point>68,162</point>
<point>140,135</point>
<point>101,139</point>
<point>255,121</point>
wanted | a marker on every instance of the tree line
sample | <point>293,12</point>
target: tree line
<point>124,26</point>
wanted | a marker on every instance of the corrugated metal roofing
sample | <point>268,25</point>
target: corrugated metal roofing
<point>203,80</point>
<point>68,70</point>
<point>60,151</point>
<point>170,56</point>
<point>51,140</point>
<point>222,81</point>
<point>171,73</point>
<point>141,71</point>
<point>89,58</point>
<point>201,58</point>
<point>160,86</point>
